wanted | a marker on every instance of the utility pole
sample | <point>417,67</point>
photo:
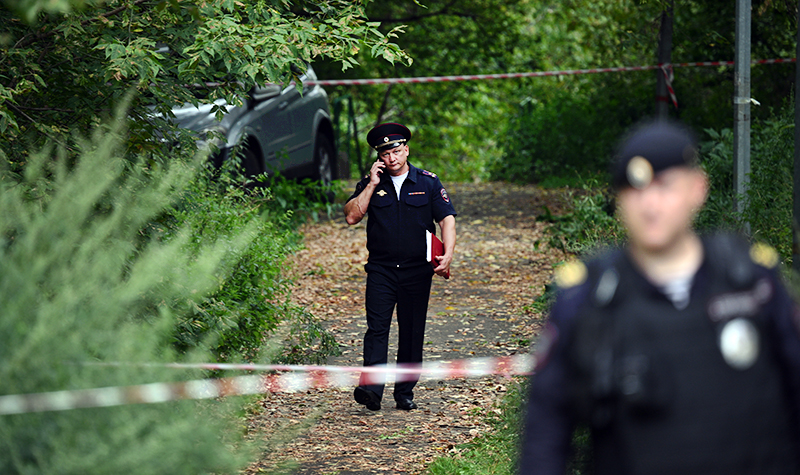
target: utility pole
<point>796,188</point>
<point>741,107</point>
<point>664,57</point>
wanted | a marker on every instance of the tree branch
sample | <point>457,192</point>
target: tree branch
<point>445,10</point>
<point>112,12</point>
<point>30,40</point>
<point>33,123</point>
<point>43,109</point>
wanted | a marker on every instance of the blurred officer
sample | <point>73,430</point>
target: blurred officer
<point>680,353</point>
<point>402,202</point>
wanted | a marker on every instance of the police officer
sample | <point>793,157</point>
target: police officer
<point>403,202</point>
<point>680,353</point>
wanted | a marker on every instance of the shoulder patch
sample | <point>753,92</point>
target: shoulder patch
<point>571,274</point>
<point>426,172</point>
<point>764,255</point>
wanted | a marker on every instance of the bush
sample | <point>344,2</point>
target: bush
<point>251,299</point>
<point>570,130</point>
<point>769,199</point>
<point>591,223</point>
<point>81,282</point>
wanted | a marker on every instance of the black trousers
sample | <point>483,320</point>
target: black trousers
<point>409,290</point>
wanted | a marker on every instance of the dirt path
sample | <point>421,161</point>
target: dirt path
<point>483,310</point>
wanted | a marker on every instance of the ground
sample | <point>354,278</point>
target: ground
<point>484,309</point>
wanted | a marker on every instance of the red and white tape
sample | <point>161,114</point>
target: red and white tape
<point>668,78</point>
<point>294,378</point>
<point>566,72</point>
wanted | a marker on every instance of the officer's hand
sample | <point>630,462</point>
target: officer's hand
<point>444,264</point>
<point>374,172</point>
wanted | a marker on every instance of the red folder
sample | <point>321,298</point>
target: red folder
<point>435,249</point>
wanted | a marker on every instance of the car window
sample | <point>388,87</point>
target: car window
<point>267,91</point>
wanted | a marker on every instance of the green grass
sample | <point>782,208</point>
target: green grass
<point>576,180</point>
<point>494,452</point>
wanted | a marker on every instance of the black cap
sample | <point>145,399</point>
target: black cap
<point>388,136</point>
<point>650,149</point>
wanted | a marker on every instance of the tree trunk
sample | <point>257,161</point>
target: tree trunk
<point>384,104</point>
<point>796,194</point>
<point>664,57</point>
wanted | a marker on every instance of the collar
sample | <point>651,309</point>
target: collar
<point>699,281</point>
<point>412,174</point>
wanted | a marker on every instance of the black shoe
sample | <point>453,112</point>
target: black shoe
<point>406,404</point>
<point>367,398</point>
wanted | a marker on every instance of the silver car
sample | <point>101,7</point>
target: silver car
<point>278,129</point>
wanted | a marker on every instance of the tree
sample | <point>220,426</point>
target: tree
<point>66,67</point>
<point>454,125</point>
<point>705,31</point>
<point>466,129</point>
<point>664,57</point>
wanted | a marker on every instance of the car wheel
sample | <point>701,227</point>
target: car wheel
<point>323,160</point>
<point>251,163</point>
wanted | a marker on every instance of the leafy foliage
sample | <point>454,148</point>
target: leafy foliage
<point>81,283</point>
<point>454,126</point>
<point>591,223</point>
<point>247,302</point>
<point>559,132</point>
<point>66,71</point>
<point>251,301</point>
<point>109,257</point>
<point>706,31</point>
<point>534,129</point>
<point>768,206</point>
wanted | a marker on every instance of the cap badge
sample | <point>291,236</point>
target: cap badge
<point>738,342</point>
<point>640,172</point>
<point>382,193</point>
<point>386,139</point>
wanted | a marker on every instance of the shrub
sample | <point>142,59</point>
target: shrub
<point>251,299</point>
<point>568,130</point>
<point>81,282</point>
<point>591,223</point>
<point>769,199</point>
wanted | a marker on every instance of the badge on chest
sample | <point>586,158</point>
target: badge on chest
<point>738,337</point>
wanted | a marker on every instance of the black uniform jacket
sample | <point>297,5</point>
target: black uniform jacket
<point>550,416</point>
<point>396,229</point>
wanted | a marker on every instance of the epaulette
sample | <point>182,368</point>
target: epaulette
<point>571,274</point>
<point>764,255</point>
<point>426,172</point>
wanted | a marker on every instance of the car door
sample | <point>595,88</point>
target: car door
<point>303,112</point>
<point>271,119</point>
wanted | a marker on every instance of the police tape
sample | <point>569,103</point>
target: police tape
<point>291,378</point>
<point>669,76</point>
<point>566,72</point>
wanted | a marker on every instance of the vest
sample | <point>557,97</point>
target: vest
<point>654,382</point>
